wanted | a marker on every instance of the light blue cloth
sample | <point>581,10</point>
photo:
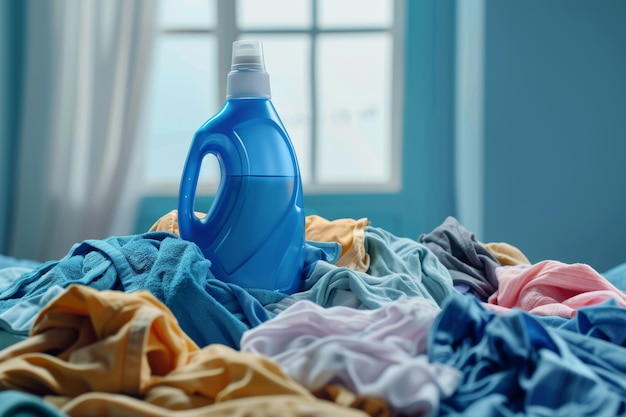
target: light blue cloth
<point>9,338</point>
<point>513,365</point>
<point>18,318</point>
<point>173,269</point>
<point>400,268</point>
<point>20,404</point>
<point>10,274</point>
<point>617,276</point>
<point>9,261</point>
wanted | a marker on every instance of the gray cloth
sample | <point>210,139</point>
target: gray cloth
<point>468,261</point>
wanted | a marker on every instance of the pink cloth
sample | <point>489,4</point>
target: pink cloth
<point>551,288</point>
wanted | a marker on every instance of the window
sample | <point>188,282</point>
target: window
<point>335,70</point>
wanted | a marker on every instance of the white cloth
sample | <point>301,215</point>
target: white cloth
<point>377,353</point>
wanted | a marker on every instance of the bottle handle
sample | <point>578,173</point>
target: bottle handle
<point>201,230</point>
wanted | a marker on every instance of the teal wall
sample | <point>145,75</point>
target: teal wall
<point>25,35</point>
<point>11,41</point>
<point>555,129</point>
<point>4,122</point>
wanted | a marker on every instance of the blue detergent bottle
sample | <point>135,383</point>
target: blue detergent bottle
<point>253,233</point>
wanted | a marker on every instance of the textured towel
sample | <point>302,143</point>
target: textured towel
<point>173,269</point>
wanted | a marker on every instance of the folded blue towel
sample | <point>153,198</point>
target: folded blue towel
<point>171,268</point>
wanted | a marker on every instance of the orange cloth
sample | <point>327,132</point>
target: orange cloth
<point>101,353</point>
<point>169,223</point>
<point>349,233</point>
<point>375,407</point>
<point>86,341</point>
<point>506,254</point>
<point>96,404</point>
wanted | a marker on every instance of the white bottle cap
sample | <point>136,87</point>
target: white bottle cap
<point>247,77</point>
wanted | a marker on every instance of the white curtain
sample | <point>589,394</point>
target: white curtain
<point>79,169</point>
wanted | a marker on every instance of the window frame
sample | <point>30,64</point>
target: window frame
<point>227,31</point>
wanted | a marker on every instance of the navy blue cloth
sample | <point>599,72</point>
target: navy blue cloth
<point>514,365</point>
<point>171,268</point>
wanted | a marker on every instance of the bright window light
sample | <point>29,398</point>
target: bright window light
<point>331,66</point>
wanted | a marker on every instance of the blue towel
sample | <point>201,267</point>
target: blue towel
<point>173,269</point>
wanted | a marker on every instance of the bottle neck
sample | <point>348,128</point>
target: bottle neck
<point>248,83</point>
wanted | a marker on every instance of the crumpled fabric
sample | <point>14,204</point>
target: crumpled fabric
<point>400,268</point>
<point>471,265</point>
<point>102,353</point>
<point>377,353</point>
<point>172,269</point>
<point>513,365</point>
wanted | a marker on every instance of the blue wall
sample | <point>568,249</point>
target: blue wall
<point>555,129</point>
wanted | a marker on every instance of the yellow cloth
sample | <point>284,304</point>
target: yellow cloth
<point>374,407</point>
<point>105,353</point>
<point>169,223</point>
<point>349,233</point>
<point>506,254</point>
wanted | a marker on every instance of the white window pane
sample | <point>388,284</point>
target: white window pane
<point>208,181</point>
<point>273,14</point>
<point>354,108</point>
<point>355,13</point>
<point>287,59</point>
<point>183,96</point>
<point>185,14</point>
